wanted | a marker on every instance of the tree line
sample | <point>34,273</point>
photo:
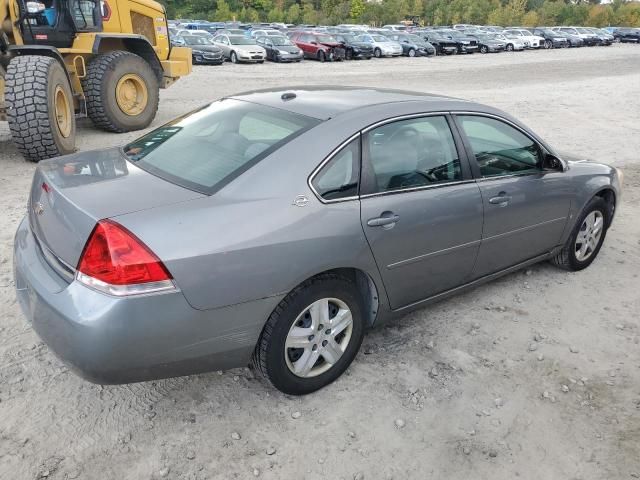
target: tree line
<point>428,12</point>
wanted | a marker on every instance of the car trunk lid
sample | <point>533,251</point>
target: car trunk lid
<point>70,194</point>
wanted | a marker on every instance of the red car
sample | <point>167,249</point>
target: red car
<point>319,46</point>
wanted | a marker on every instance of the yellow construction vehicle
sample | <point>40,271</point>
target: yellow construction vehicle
<point>105,59</point>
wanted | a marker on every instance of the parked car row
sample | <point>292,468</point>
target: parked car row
<point>213,43</point>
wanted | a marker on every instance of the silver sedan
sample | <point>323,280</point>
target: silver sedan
<point>276,227</point>
<point>240,49</point>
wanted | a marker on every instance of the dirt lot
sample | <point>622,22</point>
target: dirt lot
<point>469,388</point>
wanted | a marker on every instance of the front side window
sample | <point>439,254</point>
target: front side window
<point>206,149</point>
<point>500,149</point>
<point>339,177</point>
<point>412,153</point>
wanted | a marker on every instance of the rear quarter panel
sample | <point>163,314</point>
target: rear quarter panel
<point>248,241</point>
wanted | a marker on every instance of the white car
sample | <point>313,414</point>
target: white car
<point>266,33</point>
<point>395,28</point>
<point>239,48</point>
<point>199,33</point>
<point>382,46</point>
<point>533,41</point>
<point>512,42</point>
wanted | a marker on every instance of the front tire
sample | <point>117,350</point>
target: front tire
<point>377,53</point>
<point>510,47</point>
<point>484,49</point>
<point>587,236</point>
<point>312,336</point>
<point>411,52</point>
<point>233,57</point>
<point>548,44</point>
<point>122,92</point>
<point>322,57</point>
<point>39,107</point>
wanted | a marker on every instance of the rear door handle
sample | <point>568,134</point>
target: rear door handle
<point>387,218</point>
<point>502,199</point>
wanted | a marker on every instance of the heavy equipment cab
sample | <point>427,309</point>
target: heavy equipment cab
<point>56,22</point>
<point>105,59</point>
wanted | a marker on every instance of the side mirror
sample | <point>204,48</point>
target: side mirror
<point>551,162</point>
<point>314,43</point>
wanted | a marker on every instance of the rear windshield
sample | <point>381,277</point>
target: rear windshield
<point>206,149</point>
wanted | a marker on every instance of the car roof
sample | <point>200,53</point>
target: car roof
<point>325,102</point>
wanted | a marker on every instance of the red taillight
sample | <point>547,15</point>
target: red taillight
<point>115,256</point>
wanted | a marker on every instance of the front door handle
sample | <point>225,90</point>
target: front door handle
<point>386,219</point>
<point>502,199</point>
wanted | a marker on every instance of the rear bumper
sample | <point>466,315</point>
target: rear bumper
<point>113,340</point>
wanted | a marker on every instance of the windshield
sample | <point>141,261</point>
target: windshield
<point>326,39</point>
<point>238,40</point>
<point>379,38</point>
<point>281,41</point>
<point>193,40</point>
<point>206,149</point>
<point>414,38</point>
<point>583,30</point>
<point>348,38</point>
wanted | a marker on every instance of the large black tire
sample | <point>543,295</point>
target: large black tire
<point>32,83</point>
<point>566,258</point>
<point>269,355</point>
<point>103,74</point>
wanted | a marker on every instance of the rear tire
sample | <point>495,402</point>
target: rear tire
<point>567,258</point>
<point>40,107</point>
<point>276,362</point>
<point>122,92</point>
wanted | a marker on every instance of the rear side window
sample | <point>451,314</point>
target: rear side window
<point>339,177</point>
<point>208,148</point>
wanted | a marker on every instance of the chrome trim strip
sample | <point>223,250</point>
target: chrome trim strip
<point>327,159</point>
<point>419,258</point>
<point>66,271</point>
<point>403,117</point>
<point>523,229</point>
<point>416,189</point>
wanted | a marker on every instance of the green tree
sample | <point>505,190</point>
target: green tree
<point>293,14</point>
<point>356,10</point>
<point>223,12</point>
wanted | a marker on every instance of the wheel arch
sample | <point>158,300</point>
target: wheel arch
<point>609,196</point>
<point>369,290</point>
<point>136,44</point>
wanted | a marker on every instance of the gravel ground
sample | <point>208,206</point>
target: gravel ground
<point>536,375</point>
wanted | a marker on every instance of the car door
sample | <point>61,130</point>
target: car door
<point>420,209</point>
<point>525,206</point>
<point>222,41</point>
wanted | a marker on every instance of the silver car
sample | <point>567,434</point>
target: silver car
<point>238,48</point>
<point>382,46</point>
<point>276,227</point>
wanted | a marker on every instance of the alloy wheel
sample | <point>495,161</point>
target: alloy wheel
<point>318,337</point>
<point>589,235</point>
